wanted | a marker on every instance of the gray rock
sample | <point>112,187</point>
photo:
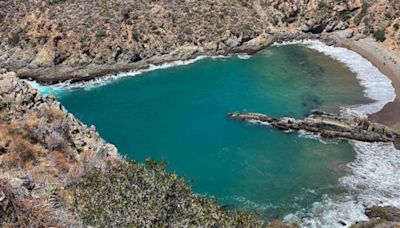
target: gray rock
<point>327,125</point>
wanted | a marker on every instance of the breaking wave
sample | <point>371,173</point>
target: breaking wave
<point>88,85</point>
<point>57,89</point>
<point>373,178</point>
<point>244,56</point>
<point>376,85</point>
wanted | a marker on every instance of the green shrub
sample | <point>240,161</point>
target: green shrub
<point>4,115</point>
<point>14,39</point>
<point>244,3</point>
<point>361,15</point>
<point>322,4</point>
<point>379,35</point>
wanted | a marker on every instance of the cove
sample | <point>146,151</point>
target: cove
<point>179,115</point>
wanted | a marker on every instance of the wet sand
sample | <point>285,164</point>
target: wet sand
<point>388,62</point>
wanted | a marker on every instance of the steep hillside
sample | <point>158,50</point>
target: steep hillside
<point>54,40</point>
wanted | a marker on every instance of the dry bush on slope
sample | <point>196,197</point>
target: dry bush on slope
<point>131,195</point>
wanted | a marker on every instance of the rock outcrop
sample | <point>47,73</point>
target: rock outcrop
<point>380,217</point>
<point>387,213</point>
<point>327,125</point>
<point>20,101</point>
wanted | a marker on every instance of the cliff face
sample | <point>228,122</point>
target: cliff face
<point>42,149</point>
<point>68,35</point>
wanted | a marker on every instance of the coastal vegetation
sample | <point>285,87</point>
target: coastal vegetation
<point>131,194</point>
<point>358,18</point>
<point>379,35</point>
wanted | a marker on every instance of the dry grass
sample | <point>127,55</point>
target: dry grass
<point>21,210</point>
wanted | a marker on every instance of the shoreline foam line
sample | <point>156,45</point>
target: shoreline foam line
<point>377,86</point>
<point>373,180</point>
<point>101,81</point>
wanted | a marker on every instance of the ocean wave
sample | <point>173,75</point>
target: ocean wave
<point>57,89</point>
<point>101,81</point>
<point>243,56</point>
<point>258,122</point>
<point>43,89</point>
<point>376,85</point>
<point>374,178</point>
<point>309,135</point>
<point>248,204</point>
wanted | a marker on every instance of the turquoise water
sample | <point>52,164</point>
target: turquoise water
<point>179,114</point>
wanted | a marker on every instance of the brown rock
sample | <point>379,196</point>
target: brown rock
<point>387,213</point>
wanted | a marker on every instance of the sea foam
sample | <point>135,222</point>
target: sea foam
<point>57,89</point>
<point>376,85</point>
<point>373,178</point>
<point>244,56</point>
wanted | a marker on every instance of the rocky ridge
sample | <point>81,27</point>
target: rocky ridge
<point>57,40</point>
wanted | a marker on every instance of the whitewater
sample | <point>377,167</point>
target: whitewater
<point>373,178</point>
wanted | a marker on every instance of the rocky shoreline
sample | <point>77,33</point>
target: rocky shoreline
<point>86,73</point>
<point>327,125</point>
<point>78,74</point>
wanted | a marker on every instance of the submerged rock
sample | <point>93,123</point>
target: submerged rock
<point>327,125</point>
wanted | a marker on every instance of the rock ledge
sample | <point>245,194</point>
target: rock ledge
<point>327,125</point>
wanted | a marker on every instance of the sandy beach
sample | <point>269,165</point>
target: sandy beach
<point>388,62</point>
